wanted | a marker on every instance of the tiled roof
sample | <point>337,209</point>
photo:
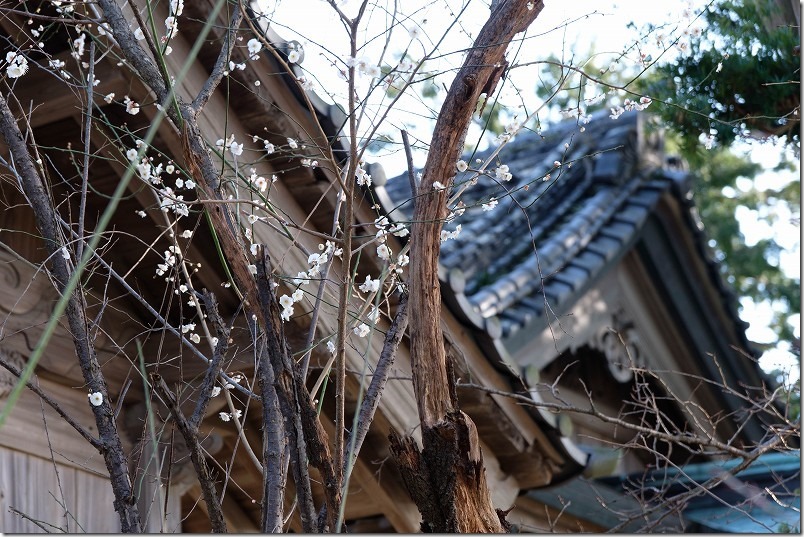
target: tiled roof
<point>565,230</point>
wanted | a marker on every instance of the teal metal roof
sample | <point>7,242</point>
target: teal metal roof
<point>765,497</point>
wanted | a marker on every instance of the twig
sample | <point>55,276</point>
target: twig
<point>190,434</point>
<point>215,366</point>
<point>82,207</point>
<point>411,170</point>
<point>372,398</point>
<point>677,439</point>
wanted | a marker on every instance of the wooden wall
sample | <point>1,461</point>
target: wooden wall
<point>58,497</point>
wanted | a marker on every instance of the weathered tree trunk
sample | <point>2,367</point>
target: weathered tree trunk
<point>446,478</point>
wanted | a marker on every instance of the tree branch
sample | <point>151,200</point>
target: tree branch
<point>480,72</point>
<point>96,443</point>
<point>222,63</point>
<point>190,434</point>
<point>386,360</point>
<point>215,366</point>
<point>46,221</point>
<point>134,54</point>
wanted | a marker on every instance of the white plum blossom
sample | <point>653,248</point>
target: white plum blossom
<point>361,177</point>
<point>462,166</point>
<point>492,203</point>
<point>131,106</point>
<point>187,328</point>
<point>447,235</point>
<point>254,47</point>
<point>383,252</point>
<point>400,230</point>
<point>95,398</point>
<point>79,44</point>
<point>294,56</point>
<point>616,112</point>
<point>502,173</point>
<point>438,186</point>
<point>331,347</point>
<point>216,391</point>
<point>512,128</point>
<point>138,35</point>
<point>176,7</point>
<point>287,307</point>
<point>17,65</point>
<point>195,338</point>
<point>225,416</point>
<point>362,330</point>
<point>292,143</point>
<point>370,286</point>
<point>402,260</point>
<point>414,32</point>
<point>373,71</point>
<point>172,27</point>
<point>131,154</point>
<point>235,148</point>
<point>269,147</point>
<point>297,295</point>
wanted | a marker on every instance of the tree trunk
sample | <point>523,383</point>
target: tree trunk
<point>446,478</point>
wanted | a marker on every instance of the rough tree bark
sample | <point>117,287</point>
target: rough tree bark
<point>111,446</point>
<point>447,478</point>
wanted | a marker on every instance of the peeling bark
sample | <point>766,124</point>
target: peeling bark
<point>446,479</point>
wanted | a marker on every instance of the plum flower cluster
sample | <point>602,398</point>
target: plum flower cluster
<point>152,173</point>
<point>384,252</point>
<point>490,205</point>
<point>259,182</point>
<point>226,416</point>
<point>16,65</point>
<point>629,105</point>
<point>501,173</point>
<point>447,235</point>
<point>170,257</point>
<point>363,66</point>
<point>294,52</point>
<point>361,177</point>
<point>316,262</point>
<point>254,48</point>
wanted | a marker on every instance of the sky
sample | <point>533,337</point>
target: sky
<point>562,28</point>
